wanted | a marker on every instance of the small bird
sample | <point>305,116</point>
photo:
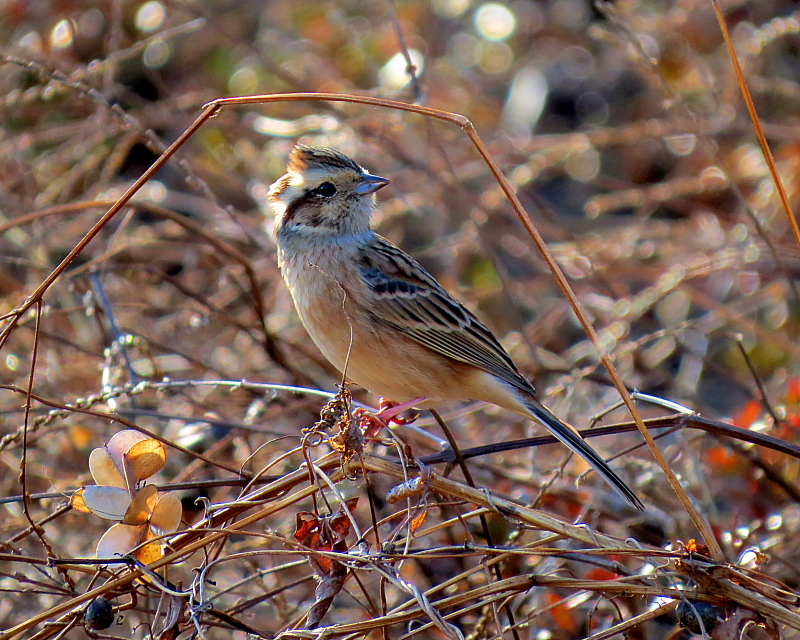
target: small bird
<point>378,315</point>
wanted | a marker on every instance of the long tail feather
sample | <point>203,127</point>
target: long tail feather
<point>571,439</point>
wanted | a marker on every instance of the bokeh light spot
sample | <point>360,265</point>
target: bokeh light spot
<point>12,362</point>
<point>244,80</point>
<point>157,53</point>
<point>681,144</point>
<point>395,74</point>
<point>450,8</point>
<point>31,41</point>
<point>150,16</point>
<point>583,165</point>
<point>463,50</point>
<point>495,21</point>
<point>62,34</point>
<point>495,57</point>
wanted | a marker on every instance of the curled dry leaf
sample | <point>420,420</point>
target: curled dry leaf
<point>329,585</point>
<point>325,534</point>
<point>419,520</point>
<point>413,487</point>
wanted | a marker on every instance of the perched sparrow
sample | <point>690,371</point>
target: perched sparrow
<point>381,318</point>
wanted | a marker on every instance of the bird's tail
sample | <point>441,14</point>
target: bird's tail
<point>573,440</point>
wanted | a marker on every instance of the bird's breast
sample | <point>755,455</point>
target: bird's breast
<point>333,303</point>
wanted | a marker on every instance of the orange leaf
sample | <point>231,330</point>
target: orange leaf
<point>722,459</point>
<point>417,522</point>
<point>793,391</point>
<point>601,574</point>
<point>748,414</point>
<point>561,613</point>
<point>307,531</point>
<point>693,546</point>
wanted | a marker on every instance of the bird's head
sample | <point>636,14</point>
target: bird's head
<point>323,192</point>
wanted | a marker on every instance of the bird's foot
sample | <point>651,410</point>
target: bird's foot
<point>388,413</point>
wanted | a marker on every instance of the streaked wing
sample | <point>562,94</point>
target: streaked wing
<point>409,299</point>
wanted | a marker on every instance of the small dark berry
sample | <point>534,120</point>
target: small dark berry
<point>691,612</point>
<point>99,614</point>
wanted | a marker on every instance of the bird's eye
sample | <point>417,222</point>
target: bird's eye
<point>326,190</point>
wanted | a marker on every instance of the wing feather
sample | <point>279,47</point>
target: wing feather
<point>409,299</point>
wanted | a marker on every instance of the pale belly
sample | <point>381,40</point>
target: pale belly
<point>383,362</point>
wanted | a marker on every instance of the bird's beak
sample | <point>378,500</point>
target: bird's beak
<point>370,184</point>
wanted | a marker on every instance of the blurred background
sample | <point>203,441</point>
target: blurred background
<point>622,127</point>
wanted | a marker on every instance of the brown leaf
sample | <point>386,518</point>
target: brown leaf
<point>307,531</point>
<point>329,585</point>
<point>327,533</point>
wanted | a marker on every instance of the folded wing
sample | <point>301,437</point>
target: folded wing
<point>410,300</point>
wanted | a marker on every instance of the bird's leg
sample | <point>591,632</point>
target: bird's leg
<point>388,412</point>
